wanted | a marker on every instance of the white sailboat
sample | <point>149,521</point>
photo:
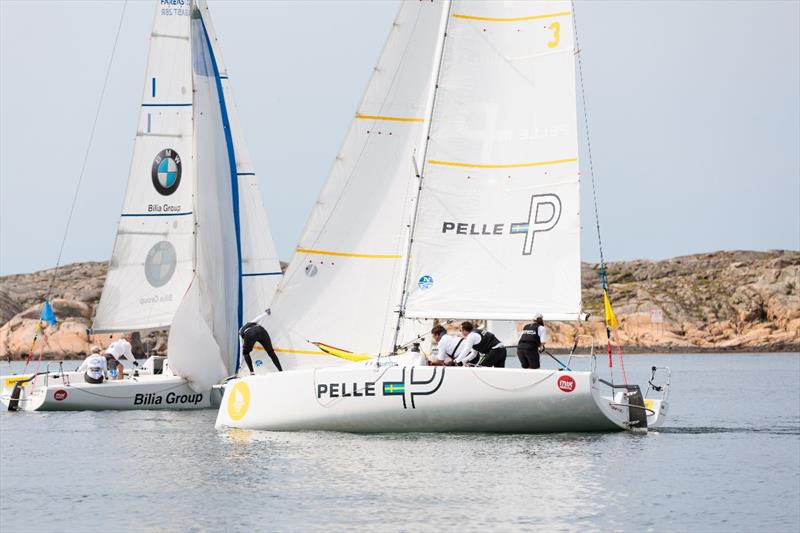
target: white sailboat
<point>454,196</point>
<point>193,252</point>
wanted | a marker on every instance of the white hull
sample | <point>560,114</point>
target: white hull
<point>71,393</point>
<point>357,398</point>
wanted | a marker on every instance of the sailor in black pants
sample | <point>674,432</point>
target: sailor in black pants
<point>251,334</point>
<point>528,345</point>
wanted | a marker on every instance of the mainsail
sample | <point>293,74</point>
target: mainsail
<point>498,229</point>
<point>211,261</point>
<point>153,259</point>
<point>342,286</point>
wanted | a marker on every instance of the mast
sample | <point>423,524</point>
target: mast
<point>420,173</point>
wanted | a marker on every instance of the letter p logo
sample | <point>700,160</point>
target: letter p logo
<point>544,214</point>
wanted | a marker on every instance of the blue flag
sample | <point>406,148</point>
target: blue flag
<point>47,314</point>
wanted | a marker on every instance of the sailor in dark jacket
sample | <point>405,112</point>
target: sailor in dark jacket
<point>253,333</point>
<point>530,343</point>
<point>481,347</point>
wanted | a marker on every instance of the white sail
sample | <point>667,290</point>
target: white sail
<point>343,283</point>
<point>261,269</point>
<point>498,228</point>
<point>203,341</point>
<point>152,263</point>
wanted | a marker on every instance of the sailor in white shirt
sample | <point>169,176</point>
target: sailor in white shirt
<point>120,348</point>
<point>480,348</point>
<point>466,353</point>
<point>116,350</point>
<point>448,346</point>
<point>95,366</point>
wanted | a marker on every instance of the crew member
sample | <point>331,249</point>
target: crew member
<point>117,350</point>
<point>95,367</point>
<point>528,346</point>
<point>481,348</point>
<point>253,333</point>
<point>541,330</point>
<point>447,344</point>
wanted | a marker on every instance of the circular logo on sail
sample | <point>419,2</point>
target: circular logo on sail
<point>425,282</point>
<point>566,383</point>
<point>60,395</point>
<point>166,171</point>
<point>160,263</point>
<point>239,401</point>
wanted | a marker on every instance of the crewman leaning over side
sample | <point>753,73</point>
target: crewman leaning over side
<point>447,344</point>
<point>252,333</point>
<point>481,348</point>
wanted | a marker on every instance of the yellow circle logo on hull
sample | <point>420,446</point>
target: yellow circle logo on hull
<point>239,401</point>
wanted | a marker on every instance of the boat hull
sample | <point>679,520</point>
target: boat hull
<point>142,393</point>
<point>364,399</point>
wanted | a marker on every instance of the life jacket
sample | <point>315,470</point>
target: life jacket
<point>488,341</point>
<point>530,337</point>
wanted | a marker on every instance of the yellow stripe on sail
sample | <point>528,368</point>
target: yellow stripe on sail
<point>392,119</point>
<point>611,318</point>
<point>512,165</point>
<point>512,19</point>
<point>348,254</point>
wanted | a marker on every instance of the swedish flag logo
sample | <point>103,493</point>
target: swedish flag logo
<point>394,388</point>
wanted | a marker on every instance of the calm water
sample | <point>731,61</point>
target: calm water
<point>729,459</point>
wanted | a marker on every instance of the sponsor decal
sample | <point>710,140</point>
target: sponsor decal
<point>159,266</point>
<point>259,362</point>
<point>543,215</point>
<point>566,383</point>
<point>60,395</point>
<point>425,282</point>
<point>166,171</point>
<point>171,398</point>
<point>408,388</point>
<point>238,400</point>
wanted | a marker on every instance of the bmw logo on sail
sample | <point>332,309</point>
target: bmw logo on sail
<point>166,171</point>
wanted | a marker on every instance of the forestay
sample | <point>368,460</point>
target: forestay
<point>498,230</point>
<point>203,341</point>
<point>343,284</point>
<point>151,266</point>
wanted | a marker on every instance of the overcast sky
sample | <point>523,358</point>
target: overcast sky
<point>694,111</point>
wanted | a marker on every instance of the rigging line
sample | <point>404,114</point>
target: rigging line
<point>589,149</point>
<point>88,148</point>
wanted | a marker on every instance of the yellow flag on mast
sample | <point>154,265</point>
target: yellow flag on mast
<point>611,318</point>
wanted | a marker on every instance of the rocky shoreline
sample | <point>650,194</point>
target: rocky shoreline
<point>732,301</point>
